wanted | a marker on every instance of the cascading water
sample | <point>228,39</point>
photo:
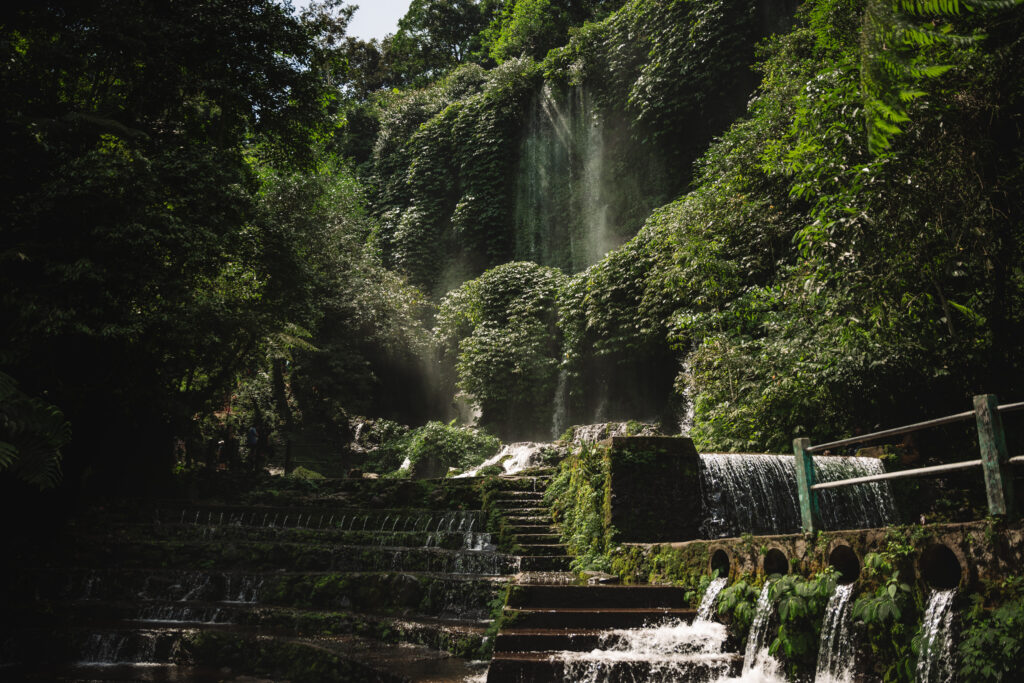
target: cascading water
<point>756,493</point>
<point>706,610</point>
<point>935,660</point>
<point>514,458</point>
<point>676,651</point>
<point>858,506</point>
<point>559,415</point>
<point>836,649</point>
<point>756,657</point>
<point>562,192</point>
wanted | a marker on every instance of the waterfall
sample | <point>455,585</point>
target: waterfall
<point>836,649</point>
<point>935,660</point>
<point>559,414</point>
<point>706,610</point>
<point>564,190</point>
<point>756,493</point>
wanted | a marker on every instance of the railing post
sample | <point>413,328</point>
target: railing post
<point>809,511</point>
<point>994,456</point>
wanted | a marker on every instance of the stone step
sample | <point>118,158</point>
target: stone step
<point>514,507</point>
<point>521,529</point>
<point>542,549</point>
<point>535,640</point>
<point>519,495</point>
<point>545,538</point>
<point>598,596</point>
<point>545,563</point>
<point>520,520</point>
<point>257,557</point>
<point>450,540</point>
<point>597,618</point>
<point>545,666</point>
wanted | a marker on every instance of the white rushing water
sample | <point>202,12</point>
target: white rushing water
<point>513,458</point>
<point>756,659</point>
<point>756,493</point>
<point>674,651</point>
<point>836,649</point>
<point>706,610</point>
<point>935,661</point>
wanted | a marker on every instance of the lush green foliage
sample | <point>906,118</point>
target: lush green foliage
<point>435,447</point>
<point>992,640</point>
<point>170,225</point>
<point>738,604</point>
<point>885,298</point>
<point>890,609</point>
<point>498,332</point>
<point>577,497</point>
<point>800,603</point>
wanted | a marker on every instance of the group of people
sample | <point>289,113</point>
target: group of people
<point>226,453</point>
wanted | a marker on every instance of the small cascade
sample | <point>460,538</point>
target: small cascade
<point>513,458</point>
<point>124,647</point>
<point>674,651</point>
<point>756,657</point>
<point>476,541</point>
<point>243,589</point>
<point>104,647</point>
<point>706,610</point>
<point>935,660</point>
<point>836,649</point>
<point>183,614</point>
<point>429,559</point>
<point>756,493</point>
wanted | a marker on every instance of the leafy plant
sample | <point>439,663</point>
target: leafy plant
<point>738,603</point>
<point>800,604</point>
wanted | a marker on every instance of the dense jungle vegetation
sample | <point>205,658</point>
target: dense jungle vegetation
<point>777,219</point>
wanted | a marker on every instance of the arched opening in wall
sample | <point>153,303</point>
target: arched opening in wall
<point>720,562</point>
<point>940,567</point>
<point>845,562</point>
<point>775,562</point>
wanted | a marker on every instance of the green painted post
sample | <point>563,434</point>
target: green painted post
<point>994,456</point>
<point>809,510</point>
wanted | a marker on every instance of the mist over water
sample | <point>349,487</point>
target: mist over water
<point>567,195</point>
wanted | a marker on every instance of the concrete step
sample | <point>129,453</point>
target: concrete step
<point>598,618</point>
<point>598,596</point>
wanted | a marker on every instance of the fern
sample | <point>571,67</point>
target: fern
<point>32,433</point>
<point>899,34</point>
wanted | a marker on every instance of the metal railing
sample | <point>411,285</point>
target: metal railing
<point>995,461</point>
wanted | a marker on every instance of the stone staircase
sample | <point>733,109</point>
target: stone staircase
<point>554,629</point>
<point>527,525</point>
